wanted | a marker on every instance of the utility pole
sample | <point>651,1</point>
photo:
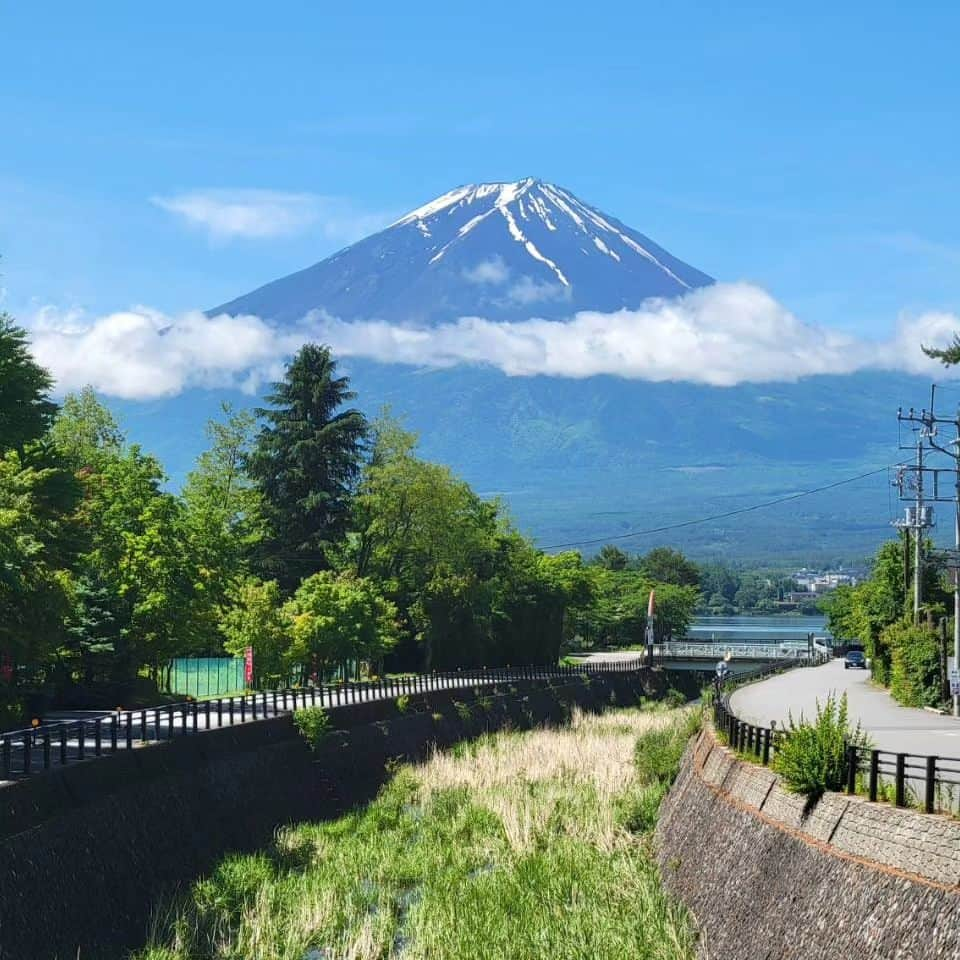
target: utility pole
<point>919,517</point>
<point>918,540</point>
<point>928,421</point>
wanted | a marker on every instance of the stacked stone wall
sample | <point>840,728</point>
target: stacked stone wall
<point>768,878</point>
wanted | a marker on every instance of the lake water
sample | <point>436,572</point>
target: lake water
<point>757,629</point>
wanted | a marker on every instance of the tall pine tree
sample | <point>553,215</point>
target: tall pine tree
<point>306,464</point>
<point>25,407</point>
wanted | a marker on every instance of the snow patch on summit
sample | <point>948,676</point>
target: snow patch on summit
<point>536,203</point>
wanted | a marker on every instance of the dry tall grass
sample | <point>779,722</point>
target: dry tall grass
<point>522,778</point>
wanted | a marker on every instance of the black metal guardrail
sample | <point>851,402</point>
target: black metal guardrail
<point>46,745</point>
<point>930,783</point>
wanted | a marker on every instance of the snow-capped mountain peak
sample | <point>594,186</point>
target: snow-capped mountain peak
<point>501,250</point>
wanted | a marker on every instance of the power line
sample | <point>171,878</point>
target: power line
<point>717,516</point>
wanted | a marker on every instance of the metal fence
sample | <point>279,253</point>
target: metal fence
<point>47,745</point>
<point>928,783</point>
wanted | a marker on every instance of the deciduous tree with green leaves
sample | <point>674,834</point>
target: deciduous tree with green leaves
<point>335,618</point>
<point>255,618</point>
<point>666,565</point>
<point>223,517</point>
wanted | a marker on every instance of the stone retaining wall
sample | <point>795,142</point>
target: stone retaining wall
<point>90,849</point>
<point>767,879</point>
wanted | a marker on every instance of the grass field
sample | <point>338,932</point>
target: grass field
<point>517,845</point>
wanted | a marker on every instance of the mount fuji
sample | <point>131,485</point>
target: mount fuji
<point>588,458</point>
<point>502,251</point>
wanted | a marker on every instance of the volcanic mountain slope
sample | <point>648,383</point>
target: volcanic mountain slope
<point>580,459</point>
<point>498,250</point>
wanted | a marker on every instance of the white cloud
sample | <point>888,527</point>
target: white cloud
<point>141,353</point>
<point>720,335</point>
<point>264,214</point>
<point>493,271</point>
<point>527,290</point>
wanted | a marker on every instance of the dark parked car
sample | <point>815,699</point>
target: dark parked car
<point>855,658</point>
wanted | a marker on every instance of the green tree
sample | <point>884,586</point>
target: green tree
<point>949,356</point>
<point>138,552</point>
<point>468,589</point>
<point>612,557</point>
<point>717,579</point>
<point>38,543</point>
<point>26,410</point>
<point>619,609</point>
<point>337,618</point>
<point>306,464</point>
<point>85,431</point>
<point>432,543</point>
<point>222,518</point>
<point>254,618</point>
<point>666,565</point>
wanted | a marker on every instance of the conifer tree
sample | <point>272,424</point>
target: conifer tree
<point>25,407</point>
<point>306,463</point>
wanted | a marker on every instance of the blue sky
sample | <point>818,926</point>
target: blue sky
<point>814,153</point>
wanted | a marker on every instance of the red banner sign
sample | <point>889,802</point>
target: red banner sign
<point>248,666</point>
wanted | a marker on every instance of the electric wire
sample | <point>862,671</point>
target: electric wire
<point>719,516</point>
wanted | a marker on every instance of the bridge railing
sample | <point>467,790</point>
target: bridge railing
<point>926,782</point>
<point>47,745</point>
<point>715,650</point>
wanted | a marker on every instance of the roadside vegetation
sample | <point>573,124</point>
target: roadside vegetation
<point>811,755</point>
<point>517,845</point>
<point>909,658</point>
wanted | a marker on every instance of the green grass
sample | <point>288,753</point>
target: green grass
<point>513,847</point>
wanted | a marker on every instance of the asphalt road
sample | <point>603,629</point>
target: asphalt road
<point>891,727</point>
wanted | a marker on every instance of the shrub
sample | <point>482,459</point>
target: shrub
<point>674,698</point>
<point>403,703</point>
<point>914,664</point>
<point>463,710</point>
<point>313,724</point>
<point>812,757</point>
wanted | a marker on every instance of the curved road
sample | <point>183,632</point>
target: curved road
<point>891,727</point>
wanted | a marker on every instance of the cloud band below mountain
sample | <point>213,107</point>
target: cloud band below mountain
<point>721,335</point>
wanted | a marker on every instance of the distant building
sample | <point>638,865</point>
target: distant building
<point>815,582</point>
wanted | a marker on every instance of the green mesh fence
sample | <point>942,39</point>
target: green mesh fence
<point>216,676</point>
<point>206,676</point>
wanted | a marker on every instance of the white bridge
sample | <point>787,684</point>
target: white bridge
<point>718,649</point>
